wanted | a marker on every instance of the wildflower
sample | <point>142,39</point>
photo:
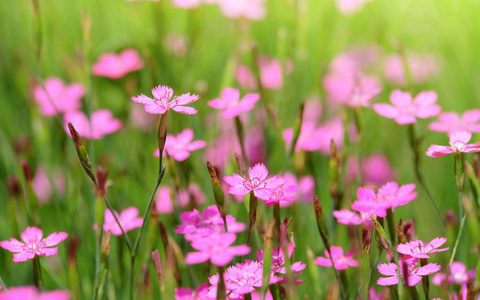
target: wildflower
<point>216,248</point>
<point>200,293</point>
<point>368,203</point>
<point>162,101</point>
<point>376,170</point>
<point>348,217</point>
<point>458,142</point>
<point>32,293</point>
<point>42,187</point>
<point>392,195</point>
<point>245,78</point>
<point>180,146</point>
<point>278,261</point>
<point>349,7</point>
<point>418,249</point>
<point>383,294</point>
<point>249,9</point>
<point>458,275</point>
<point>164,203</point>
<point>356,59</point>
<point>100,124</point>
<point>271,73</point>
<point>33,244</point>
<point>414,275</point>
<point>282,195</point>
<point>450,122</point>
<point>258,183</point>
<point>128,219</point>
<point>422,67</point>
<point>231,104</point>
<point>340,261</point>
<point>306,187</point>
<point>115,66</point>
<point>58,97</point>
<point>405,110</point>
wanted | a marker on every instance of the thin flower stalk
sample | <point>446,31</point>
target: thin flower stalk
<point>267,255</point>
<point>296,133</point>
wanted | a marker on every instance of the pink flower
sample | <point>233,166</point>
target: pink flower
<point>231,104</point>
<point>187,3</point>
<point>33,244</point>
<point>216,248</point>
<point>376,169</point>
<point>450,122</point>
<point>368,203</point>
<point>140,118</point>
<point>283,195</point>
<point>177,44</point>
<point>164,203</point>
<point>245,78</point>
<point>249,9</point>
<point>414,275</point>
<point>128,219</point>
<point>349,7</point>
<point>458,142</point>
<point>458,275</point>
<point>115,66</point>
<point>306,186</point>
<point>271,73</point>
<point>180,146</point>
<point>258,183</point>
<point>418,249</point>
<point>58,97</point>
<point>392,195</point>
<point>340,261</point>
<point>42,187</point>
<point>372,295</point>
<point>278,262</point>
<point>348,217</point>
<point>405,110</point>
<point>32,293</point>
<point>100,124</point>
<point>356,59</point>
<point>163,101</point>
<point>200,293</point>
<point>422,67</point>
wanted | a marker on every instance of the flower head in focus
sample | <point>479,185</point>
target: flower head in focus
<point>414,275</point>
<point>128,219</point>
<point>180,146</point>
<point>115,66</point>
<point>231,104</point>
<point>57,97</point>
<point>418,249</point>
<point>162,101</point>
<point>392,195</point>
<point>458,142</point>
<point>33,244</point>
<point>369,203</point>
<point>101,123</point>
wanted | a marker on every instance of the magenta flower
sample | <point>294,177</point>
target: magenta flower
<point>58,97</point>
<point>249,9</point>
<point>414,275</point>
<point>271,73</point>
<point>164,202</point>
<point>450,122</point>
<point>392,195</point>
<point>100,124</point>
<point>258,183</point>
<point>418,249</point>
<point>458,142</point>
<point>422,67</point>
<point>162,101</point>
<point>200,293</point>
<point>128,219</point>
<point>306,187</point>
<point>216,248</point>
<point>405,110</point>
<point>278,262</point>
<point>348,217</point>
<point>368,203</point>
<point>231,104</point>
<point>32,293</point>
<point>115,66</point>
<point>376,170</point>
<point>458,275</point>
<point>33,244</point>
<point>283,195</point>
<point>340,261</point>
<point>180,146</point>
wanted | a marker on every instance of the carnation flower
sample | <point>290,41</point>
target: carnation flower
<point>340,261</point>
<point>180,146</point>
<point>162,101</point>
<point>101,123</point>
<point>58,97</point>
<point>115,66</point>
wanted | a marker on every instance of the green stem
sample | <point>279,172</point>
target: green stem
<point>391,227</point>
<point>241,138</point>
<point>37,272</point>
<point>2,283</point>
<point>457,241</point>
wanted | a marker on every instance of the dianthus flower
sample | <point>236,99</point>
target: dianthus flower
<point>458,142</point>
<point>283,195</point>
<point>369,203</point>
<point>231,104</point>
<point>340,261</point>
<point>450,122</point>
<point>392,196</point>
<point>405,110</point>
<point>164,202</point>
<point>200,293</point>
<point>414,275</point>
<point>180,146</point>
<point>458,275</point>
<point>128,219</point>
<point>58,97</point>
<point>32,293</point>
<point>348,217</point>
<point>162,101</point>
<point>376,170</point>
<point>100,124</point>
<point>422,67</point>
<point>278,262</point>
<point>115,66</point>
<point>33,244</point>
<point>418,249</point>
<point>262,187</point>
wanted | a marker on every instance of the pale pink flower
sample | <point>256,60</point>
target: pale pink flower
<point>369,203</point>
<point>162,101</point>
<point>140,118</point>
<point>231,104</point>
<point>164,202</point>
<point>180,146</point>
<point>271,73</point>
<point>406,110</point>
<point>33,244</point>
<point>376,170</point>
<point>450,122</point>
<point>458,275</point>
<point>200,293</point>
<point>422,67</point>
<point>306,186</point>
<point>349,7</point>
<point>356,59</point>
<point>115,66</point>
<point>458,142</point>
<point>245,78</point>
<point>215,248</point>
<point>187,3</point>
<point>313,109</point>
<point>249,9</point>
<point>257,182</point>
<point>101,123</point>
<point>284,195</point>
<point>414,275</point>
<point>340,261</point>
<point>128,219</point>
<point>32,293</point>
<point>42,187</point>
<point>418,249</point>
<point>392,195</point>
<point>348,217</point>
<point>58,97</point>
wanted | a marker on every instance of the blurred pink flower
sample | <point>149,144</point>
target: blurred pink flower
<point>422,67</point>
<point>414,275</point>
<point>216,248</point>
<point>128,219</point>
<point>42,187</point>
<point>418,249</point>
<point>356,59</point>
<point>58,97</point>
<point>248,9</point>
<point>349,7</point>
<point>115,66</point>
<point>245,78</point>
<point>140,118</point>
<point>32,293</point>
<point>450,122</point>
<point>187,3</point>
<point>348,217</point>
<point>33,244</point>
<point>306,186</point>
<point>392,196</point>
<point>271,73</point>
<point>458,275</point>
<point>180,146</point>
<point>257,182</point>
<point>231,104</point>
<point>164,202</point>
<point>163,101</point>
<point>458,142</point>
<point>177,44</point>
<point>200,293</point>
<point>369,203</point>
<point>313,109</point>
<point>405,110</point>
<point>340,261</point>
<point>101,123</point>
<point>382,295</point>
<point>376,169</point>
<point>278,262</point>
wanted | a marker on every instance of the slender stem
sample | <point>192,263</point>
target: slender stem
<point>391,226</point>
<point>37,272</point>
<point>460,232</point>
<point>2,283</point>
<point>241,138</point>
<point>127,239</point>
